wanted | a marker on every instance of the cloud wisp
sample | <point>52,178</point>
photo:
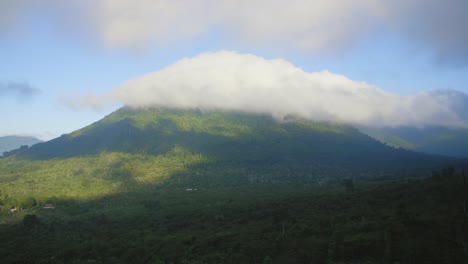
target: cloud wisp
<point>303,25</point>
<point>20,90</point>
<point>227,80</point>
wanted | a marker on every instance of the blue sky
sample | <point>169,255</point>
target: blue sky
<point>63,50</point>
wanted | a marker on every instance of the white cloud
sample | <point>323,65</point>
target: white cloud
<point>136,24</point>
<point>306,25</point>
<point>438,25</point>
<point>243,82</point>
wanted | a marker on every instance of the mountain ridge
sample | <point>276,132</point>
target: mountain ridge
<point>432,140</point>
<point>233,138</point>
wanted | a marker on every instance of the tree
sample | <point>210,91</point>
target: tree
<point>27,202</point>
<point>30,220</point>
<point>348,184</point>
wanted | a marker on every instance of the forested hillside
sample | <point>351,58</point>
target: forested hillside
<point>234,137</point>
<point>417,221</point>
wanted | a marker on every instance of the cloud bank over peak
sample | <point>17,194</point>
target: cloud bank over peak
<point>227,80</point>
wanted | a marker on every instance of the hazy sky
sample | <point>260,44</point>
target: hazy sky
<point>66,64</point>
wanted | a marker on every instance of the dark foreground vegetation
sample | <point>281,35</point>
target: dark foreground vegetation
<point>399,221</point>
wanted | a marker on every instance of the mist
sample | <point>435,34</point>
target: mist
<point>228,80</point>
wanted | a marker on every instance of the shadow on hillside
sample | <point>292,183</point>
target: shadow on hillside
<point>176,223</point>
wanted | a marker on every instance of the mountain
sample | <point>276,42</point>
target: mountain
<point>434,140</point>
<point>8,143</point>
<point>133,149</point>
<point>236,141</point>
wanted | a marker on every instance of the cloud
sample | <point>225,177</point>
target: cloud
<point>243,82</point>
<point>88,100</point>
<point>455,101</point>
<point>21,90</point>
<point>11,12</point>
<point>307,25</point>
<point>438,25</point>
<point>301,25</point>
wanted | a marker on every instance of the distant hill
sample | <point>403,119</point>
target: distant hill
<point>8,143</point>
<point>433,140</point>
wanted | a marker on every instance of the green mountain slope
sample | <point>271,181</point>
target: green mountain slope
<point>235,140</point>
<point>8,143</point>
<point>433,140</point>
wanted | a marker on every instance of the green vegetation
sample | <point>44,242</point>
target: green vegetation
<point>87,178</point>
<point>176,186</point>
<point>240,139</point>
<point>419,221</point>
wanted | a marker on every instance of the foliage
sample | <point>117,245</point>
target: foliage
<point>30,220</point>
<point>404,221</point>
